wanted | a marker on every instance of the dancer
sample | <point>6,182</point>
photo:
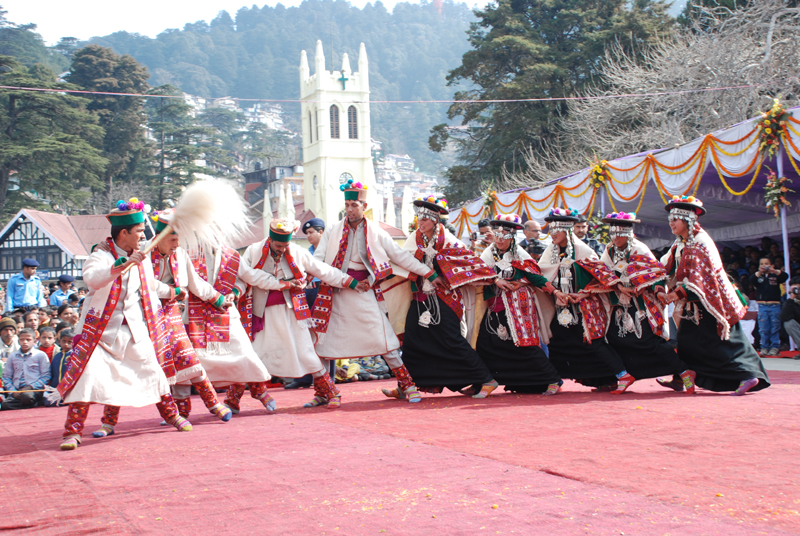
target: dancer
<point>510,331</point>
<point>116,360</point>
<point>352,325</point>
<point>434,349</point>
<point>638,331</point>
<point>281,316</point>
<point>707,309</point>
<point>579,321</point>
<point>171,269</point>
<point>217,335</point>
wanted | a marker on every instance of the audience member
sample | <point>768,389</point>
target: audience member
<point>67,313</point>
<point>25,288</point>
<point>581,230</point>
<point>768,295</point>
<point>47,342</point>
<point>31,319</point>
<point>60,363</point>
<point>61,326</point>
<point>790,314</point>
<point>26,374</point>
<point>8,336</point>
<point>44,316</point>
<point>64,290</point>
<point>483,238</point>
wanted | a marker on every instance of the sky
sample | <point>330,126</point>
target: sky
<point>89,18</point>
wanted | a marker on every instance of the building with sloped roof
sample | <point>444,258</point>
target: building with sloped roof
<point>60,243</point>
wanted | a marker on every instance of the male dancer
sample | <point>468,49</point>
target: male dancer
<point>352,324</point>
<point>281,315</point>
<point>115,361</point>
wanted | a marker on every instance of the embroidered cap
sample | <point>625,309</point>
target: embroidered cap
<point>163,219</point>
<point>354,191</point>
<point>509,221</point>
<point>430,206</point>
<point>281,230</point>
<point>685,206</point>
<point>129,212</point>
<point>562,219</point>
<point>621,219</point>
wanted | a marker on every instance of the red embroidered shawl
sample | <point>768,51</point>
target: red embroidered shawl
<point>457,265</point>
<point>206,322</point>
<point>521,312</point>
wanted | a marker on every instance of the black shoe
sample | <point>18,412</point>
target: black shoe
<point>297,385</point>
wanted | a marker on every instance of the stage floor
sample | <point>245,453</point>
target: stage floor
<point>647,462</point>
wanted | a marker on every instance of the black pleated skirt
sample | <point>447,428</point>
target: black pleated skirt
<point>522,369</point>
<point>720,365</point>
<point>592,364</point>
<point>438,356</point>
<point>648,357</point>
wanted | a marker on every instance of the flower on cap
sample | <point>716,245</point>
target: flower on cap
<point>122,205</point>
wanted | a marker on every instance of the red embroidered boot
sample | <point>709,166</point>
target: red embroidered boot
<point>259,392</point>
<point>184,406</point>
<point>169,411</point>
<point>73,427</point>
<point>325,392</point>
<point>405,386</point>
<point>623,382</point>
<point>109,421</point>
<point>234,396</point>
<point>209,398</point>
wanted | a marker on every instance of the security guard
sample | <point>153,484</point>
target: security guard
<point>60,296</point>
<point>25,289</point>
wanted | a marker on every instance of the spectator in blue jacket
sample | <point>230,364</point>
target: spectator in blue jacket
<point>60,363</point>
<point>25,289</point>
<point>26,374</point>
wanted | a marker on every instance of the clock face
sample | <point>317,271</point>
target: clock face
<point>344,177</point>
<point>315,182</point>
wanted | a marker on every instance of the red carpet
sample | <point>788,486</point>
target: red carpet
<point>648,462</point>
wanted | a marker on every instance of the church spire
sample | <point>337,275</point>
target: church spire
<point>363,67</point>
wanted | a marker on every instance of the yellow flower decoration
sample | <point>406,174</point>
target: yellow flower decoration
<point>768,130</point>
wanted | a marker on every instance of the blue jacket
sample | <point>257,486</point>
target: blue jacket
<point>58,367</point>
<point>22,292</point>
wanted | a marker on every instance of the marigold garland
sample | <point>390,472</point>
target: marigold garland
<point>775,193</point>
<point>770,126</point>
<point>599,174</point>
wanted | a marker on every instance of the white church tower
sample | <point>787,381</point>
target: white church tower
<point>336,132</point>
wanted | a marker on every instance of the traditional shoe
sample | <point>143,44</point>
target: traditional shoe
<point>316,401</point>
<point>269,403</point>
<point>688,377</point>
<point>222,411</point>
<point>469,391</point>
<point>676,383</point>
<point>623,383</point>
<point>486,389</point>
<point>335,402</point>
<point>181,424</point>
<point>394,393</point>
<point>745,386</point>
<point>70,442</point>
<point>413,395</point>
<point>104,431</point>
<point>553,388</point>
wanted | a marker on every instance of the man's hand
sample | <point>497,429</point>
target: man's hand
<point>294,284</point>
<point>180,294</point>
<point>103,246</point>
<point>578,297</point>
<point>137,257</point>
<point>230,301</point>
<point>488,238</point>
<point>502,284</point>
<point>549,288</point>
<point>440,283</point>
<point>362,286</point>
<point>626,290</point>
<point>672,297</point>
<point>662,297</point>
<point>562,299</point>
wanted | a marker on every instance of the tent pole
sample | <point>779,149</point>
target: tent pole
<point>602,205</point>
<point>784,233</point>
